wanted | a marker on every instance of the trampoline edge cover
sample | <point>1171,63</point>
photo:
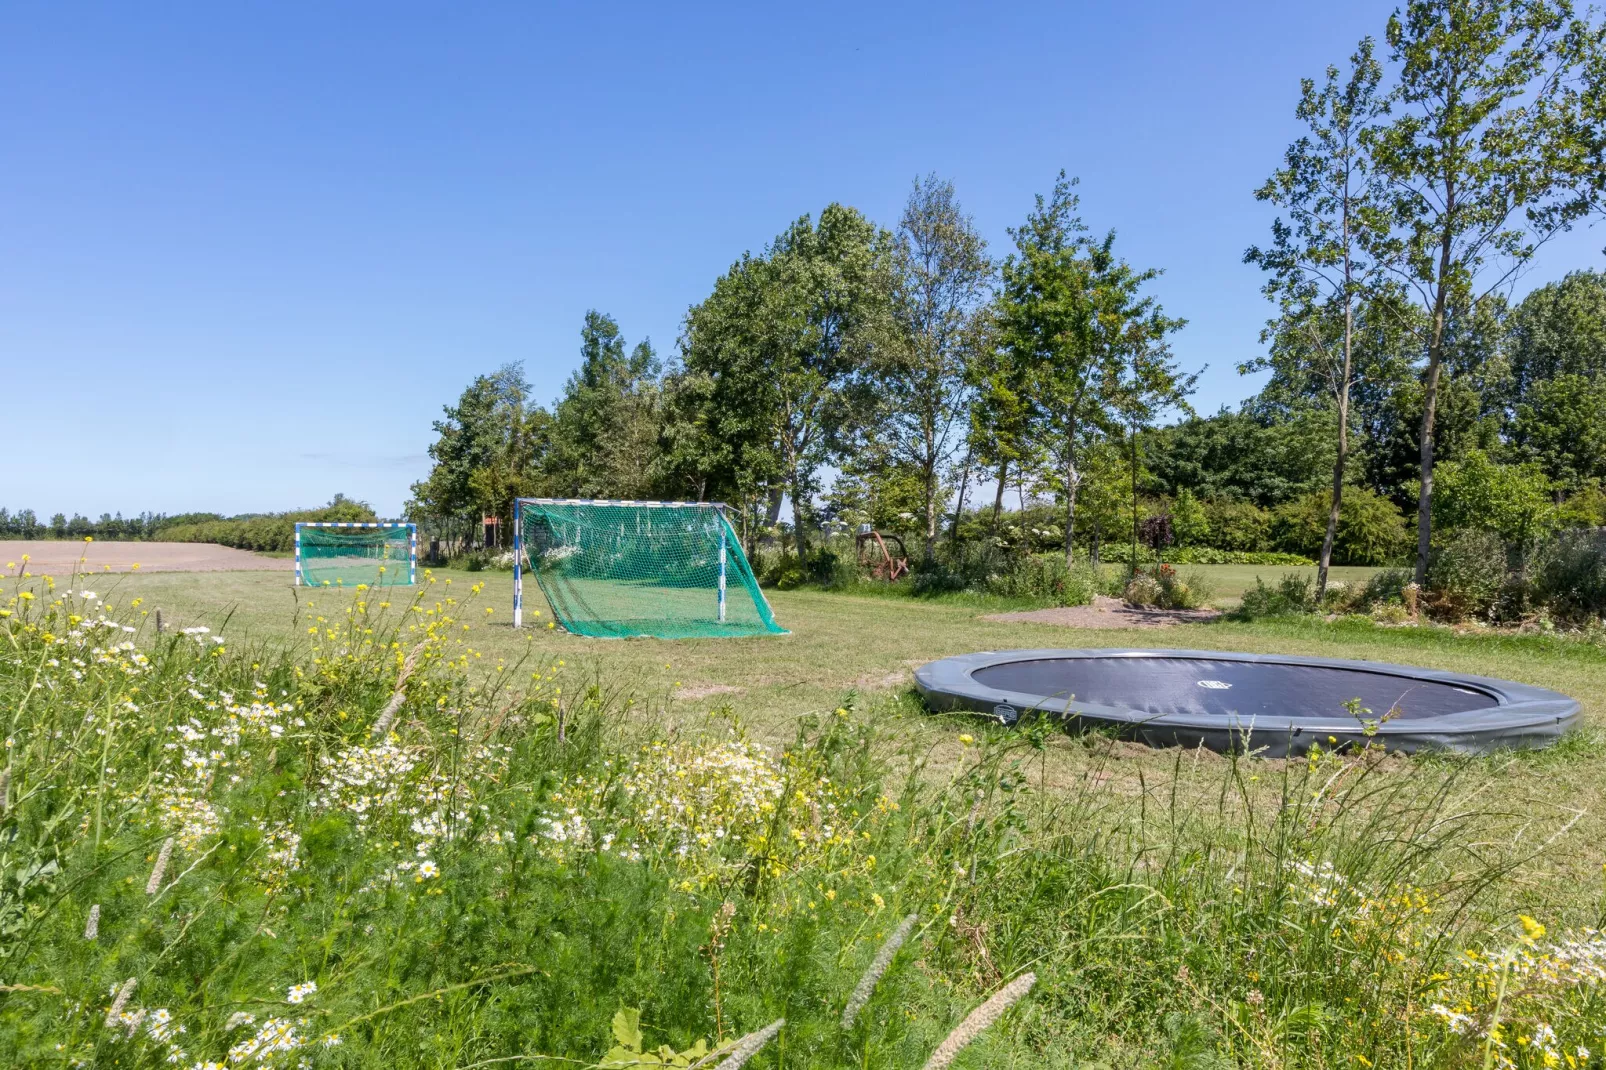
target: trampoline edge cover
<point>1277,705</point>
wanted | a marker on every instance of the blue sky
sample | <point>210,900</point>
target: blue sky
<point>247,251</point>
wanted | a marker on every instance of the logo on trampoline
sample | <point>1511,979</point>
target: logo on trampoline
<point>1215,685</point>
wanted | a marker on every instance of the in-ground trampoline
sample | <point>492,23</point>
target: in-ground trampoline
<point>1272,704</point>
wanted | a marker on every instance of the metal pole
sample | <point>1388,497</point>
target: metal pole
<point>412,556</point>
<point>518,561</point>
<point>298,554</point>
<point>721,566</point>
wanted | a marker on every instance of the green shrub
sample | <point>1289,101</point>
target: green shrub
<point>1570,580</point>
<point>1120,553</point>
<point>1585,509</point>
<point>1237,526</point>
<point>1190,523</point>
<point>1513,501</point>
<point>1165,588</point>
<point>1294,593</point>
<point>1371,529</point>
<point>274,533</point>
<point>1467,574</point>
<point>1384,588</point>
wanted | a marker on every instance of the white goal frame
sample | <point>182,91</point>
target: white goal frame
<point>518,539</point>
<point>412,541</point>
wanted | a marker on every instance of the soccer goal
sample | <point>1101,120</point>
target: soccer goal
<point>673,570</point>
<point>330,554</point>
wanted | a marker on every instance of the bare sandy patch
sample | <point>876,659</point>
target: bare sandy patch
<point>1106,612</point>
<point>57,557</point>
<point>697,691</point>
<point>882,681</point>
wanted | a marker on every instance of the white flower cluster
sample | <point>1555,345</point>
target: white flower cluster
<point>687,801</point>
<point>157,1025</point>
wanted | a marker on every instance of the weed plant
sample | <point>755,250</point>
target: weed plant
<point>372,848</point>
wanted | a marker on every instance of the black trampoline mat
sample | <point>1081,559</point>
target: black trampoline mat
<point>1245,689</point>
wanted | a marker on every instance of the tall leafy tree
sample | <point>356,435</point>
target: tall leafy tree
<point>482,454</point>
<point>604,432</point>
<point>1488,152</point>
<point>940,271</point>
<point>1317,260</point>
<point>785,339</point>
<point>1074,312</point>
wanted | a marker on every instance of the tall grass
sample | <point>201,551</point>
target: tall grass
<point>508,867</point>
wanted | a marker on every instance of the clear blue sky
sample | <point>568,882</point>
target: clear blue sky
<point>248,250</point>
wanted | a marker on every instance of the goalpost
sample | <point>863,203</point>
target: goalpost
<point>673,570</point>
<point>342,554</point>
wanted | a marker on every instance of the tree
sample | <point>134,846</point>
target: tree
<point>482,454</point>
<point>784,341</point>
<point>1488,153</point>
<point>604,433</point>
<point>941,272</point>
<point>1073,312</point>
<point>999,435</point>
<point>1561,427</point>
<point>1513,501</point>
<point>1316,259</point>
<point>1559,329</point>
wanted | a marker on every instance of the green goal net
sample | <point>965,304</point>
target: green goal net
<point>673,570</point>
<point>345,555</point>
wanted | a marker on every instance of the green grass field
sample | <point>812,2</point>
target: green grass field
<point>708,835</point>
<point>866,647</point>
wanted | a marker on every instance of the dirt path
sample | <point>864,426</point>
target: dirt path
<point>57,557</point>
<point>1106,612</point>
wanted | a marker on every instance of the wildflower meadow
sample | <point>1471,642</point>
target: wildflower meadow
<point>378,845</point>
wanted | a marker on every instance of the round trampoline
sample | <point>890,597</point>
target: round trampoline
<point>1273,704</point>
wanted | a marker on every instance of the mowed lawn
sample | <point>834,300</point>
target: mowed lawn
<point>861,650</point>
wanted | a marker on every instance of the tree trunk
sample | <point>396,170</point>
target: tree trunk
<point>998,499</point>
<point>1430,400</point>
<point>931,513</point>
<point>964,487</point>
<point>797,523</point>
<point>1326,561</point>
<point>1134,559</point>
<point>1072,481</point>
<point>1093,547</point>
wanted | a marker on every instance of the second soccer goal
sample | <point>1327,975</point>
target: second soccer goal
<point>330,554</point>
<point>673,570</point>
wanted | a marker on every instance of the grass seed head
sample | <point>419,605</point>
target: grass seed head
<point>749,1045</point>
<point>978,1020</point>
<point>154,885</point>
<point>878,966</point>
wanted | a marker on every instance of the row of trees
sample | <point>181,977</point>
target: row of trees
<point>26,524</point>
<point>907,367</point>
<point>905,362</point>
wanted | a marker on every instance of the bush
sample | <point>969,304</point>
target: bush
<point>1294,593</point>
<point>1467,574</point>
<point>1238,526</point>
<point>271,533</point>
<point>1384,588</point>
<point>1163,588</point>
<point>1513,501</point>
<point>1570,579</point>
<point>1189,521</point>
<point>1371,529</point>
<point>1585,509</point>
<point>1120,553</point>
